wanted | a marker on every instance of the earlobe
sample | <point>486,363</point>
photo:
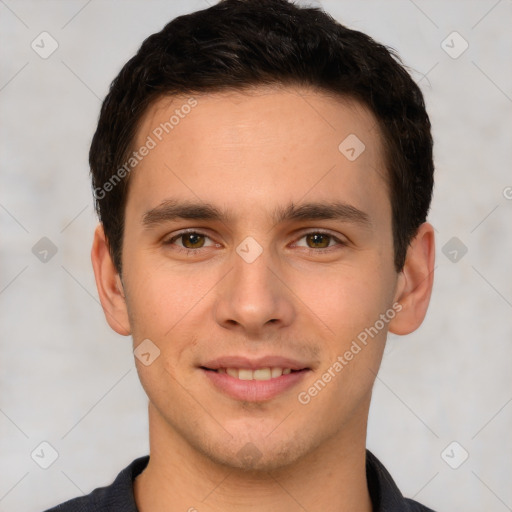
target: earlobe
<point>415,282</point>
<point>109,284</point>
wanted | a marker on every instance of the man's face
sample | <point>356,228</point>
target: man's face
<point>259,288</point>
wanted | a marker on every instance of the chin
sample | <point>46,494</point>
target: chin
<point>259,455</point>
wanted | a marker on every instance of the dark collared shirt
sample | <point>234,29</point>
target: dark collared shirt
<point>118,497</point>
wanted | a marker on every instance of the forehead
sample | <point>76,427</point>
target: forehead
<point>259,143</point>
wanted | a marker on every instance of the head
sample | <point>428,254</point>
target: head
<point>297,154</point>
<point>227,47</point>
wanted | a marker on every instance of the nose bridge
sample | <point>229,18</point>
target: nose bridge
<point>252,296</point>
<point>252,276</point>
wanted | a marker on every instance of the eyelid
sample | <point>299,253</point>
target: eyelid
<point>339,239</point>
<point>171,239</point>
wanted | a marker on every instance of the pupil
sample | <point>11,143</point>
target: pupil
<point>317,238</point>
<point>192,239</point>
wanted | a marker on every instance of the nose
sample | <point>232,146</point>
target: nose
<point>254,297</point>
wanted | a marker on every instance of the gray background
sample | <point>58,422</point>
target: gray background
<point>67,379</point>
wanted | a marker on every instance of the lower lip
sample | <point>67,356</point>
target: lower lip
<point>253,390</point>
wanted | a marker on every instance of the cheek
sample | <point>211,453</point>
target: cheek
<point>343,301</point>
<point>164,299</point>
<point>350,306</point>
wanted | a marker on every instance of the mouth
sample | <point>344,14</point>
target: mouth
<point>254,380</point>
<point>256,374</point>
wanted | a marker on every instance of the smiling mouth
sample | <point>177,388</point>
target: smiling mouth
<point>255,374</point>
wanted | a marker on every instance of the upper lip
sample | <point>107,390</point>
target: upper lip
<point>254,363</point>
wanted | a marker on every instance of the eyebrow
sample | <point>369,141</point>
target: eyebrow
<point>172,209</point>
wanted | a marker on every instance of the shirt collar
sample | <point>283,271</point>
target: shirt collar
<point>385,495</point>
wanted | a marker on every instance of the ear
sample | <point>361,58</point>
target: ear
<point>108,282</point>
<point>415,282</point>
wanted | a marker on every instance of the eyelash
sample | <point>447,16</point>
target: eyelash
<point>187,251</point>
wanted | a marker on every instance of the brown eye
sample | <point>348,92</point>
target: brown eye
<point>192,240</point>
<point>318,240</point>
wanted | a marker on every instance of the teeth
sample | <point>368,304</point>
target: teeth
<point>262,374</point>
<point>258,374</point>
<point>245,374</point>
<point>276,372</point>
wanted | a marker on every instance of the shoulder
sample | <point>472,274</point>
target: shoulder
<point>414,506</point>
<point>116,497</point>
<point>385,495</point>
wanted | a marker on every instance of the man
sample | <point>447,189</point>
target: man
<point>262,176</point>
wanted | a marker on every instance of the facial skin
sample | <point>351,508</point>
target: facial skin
<point>303,298</point>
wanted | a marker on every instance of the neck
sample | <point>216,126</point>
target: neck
<point>332,478</point>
